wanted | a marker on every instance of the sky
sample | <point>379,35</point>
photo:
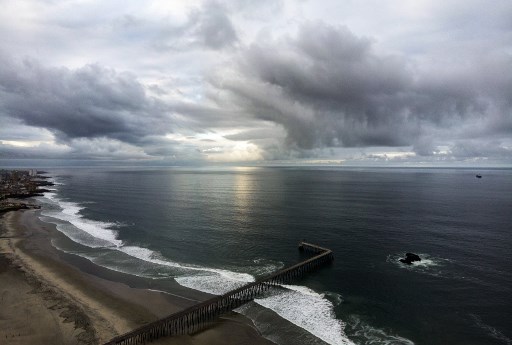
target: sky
<point>366,82</point>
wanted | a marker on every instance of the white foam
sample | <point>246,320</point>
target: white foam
<point>365,334</point>
<point>102,235</point>
<point>304,290</point>
<point>212,283</point>
<point>429,264</point>
<point>298,304</point>
<point>336,298</point>
<point>264,267</point>
<point>156,258</point>
<point>492,331</point>
<point>50,195</point>
<point>70,212</point>
<point>308,310</point>
<point>426,263</point>
<point>55,181</point>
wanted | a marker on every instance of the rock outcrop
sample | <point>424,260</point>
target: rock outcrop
<point>410,258</point>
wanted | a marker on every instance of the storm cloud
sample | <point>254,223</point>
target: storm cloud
<point>88,102</point>
<point>330,88</point>
<point>98,112</point>
<point>245,81</point>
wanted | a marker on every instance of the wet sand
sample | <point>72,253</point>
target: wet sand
<point>48,299</point>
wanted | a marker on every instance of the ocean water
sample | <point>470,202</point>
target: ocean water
<point>215,229</point>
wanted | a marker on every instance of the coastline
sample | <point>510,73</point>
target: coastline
<point>75,305</point>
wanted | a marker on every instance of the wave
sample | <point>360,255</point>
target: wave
<point>300,305</point>
<point>310,311</point>
<point>212,283</point>
<point>149,255</point>
<point>91,233</point>
<point>98,234</point>
<point>493,332</point>
<point>334,297</point>
<point>364,334</point>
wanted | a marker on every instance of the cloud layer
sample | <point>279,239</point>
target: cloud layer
<point>330,88</point>
<point>215,81</point>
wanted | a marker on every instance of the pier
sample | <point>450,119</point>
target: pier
<point>200,315</point>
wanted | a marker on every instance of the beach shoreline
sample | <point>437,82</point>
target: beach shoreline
<point>76,303</point>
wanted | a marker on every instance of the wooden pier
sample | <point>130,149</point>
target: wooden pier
<point>200,315</point>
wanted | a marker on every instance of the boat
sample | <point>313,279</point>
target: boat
<point>478,176</point>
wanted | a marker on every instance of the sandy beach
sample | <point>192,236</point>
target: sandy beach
<point>47,299</point>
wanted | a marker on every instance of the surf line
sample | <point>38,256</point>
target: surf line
<point>200,315</point>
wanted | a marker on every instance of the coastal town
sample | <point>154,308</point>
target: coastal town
<point>16,185</point>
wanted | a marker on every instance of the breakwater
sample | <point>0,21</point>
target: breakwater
<point>200,315</point>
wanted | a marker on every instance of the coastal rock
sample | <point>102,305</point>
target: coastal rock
<point>410,258</point>
<point>14,206</point>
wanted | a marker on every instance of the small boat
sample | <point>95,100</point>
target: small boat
<point>478,176</point>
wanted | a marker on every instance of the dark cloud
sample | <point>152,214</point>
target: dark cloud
<point>336,90</point>
<point>435,82</point>
<point>425,147</point>
<point>94,102</point>
<point>330,88</point>
<point>475,148</point>
<point>95,112</point>
<point>88,102</point>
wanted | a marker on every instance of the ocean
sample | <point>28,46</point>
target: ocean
<point>214,229</point>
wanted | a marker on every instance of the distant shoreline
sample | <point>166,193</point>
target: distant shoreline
<point>78,307</point>
<point>21,184</point>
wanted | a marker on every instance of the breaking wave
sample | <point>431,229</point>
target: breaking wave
<point>301,306</point>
